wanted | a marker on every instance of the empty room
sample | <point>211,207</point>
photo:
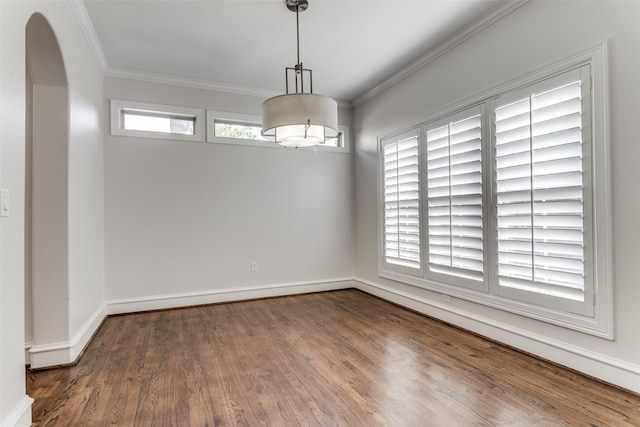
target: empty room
<point>319,213</point>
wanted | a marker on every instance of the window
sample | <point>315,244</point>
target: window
<point>540,191</point>
<point>237,130</point>
<point>454,195</point>
<point>151,121</point>
<point>401,201</point>
<point>512,197</point>
<point>244,129</point>
<point>139,119</point>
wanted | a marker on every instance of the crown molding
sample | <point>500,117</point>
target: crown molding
<point>89,33</point>
<point>126,73</point>
<point>450,43</point>
<point>91,36</point>
<point>198,84</point>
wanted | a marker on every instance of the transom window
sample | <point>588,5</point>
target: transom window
<point>238,130</point>
<point>139,119</point>
<point>169,122</point>
<point>153,121</point>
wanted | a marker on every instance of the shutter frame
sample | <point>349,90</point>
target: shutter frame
<point>401,228</point>
<point>559,219</point>
<point>454,202</point>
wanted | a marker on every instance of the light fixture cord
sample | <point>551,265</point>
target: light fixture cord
<point>298,30</point>
<point>299,69</point>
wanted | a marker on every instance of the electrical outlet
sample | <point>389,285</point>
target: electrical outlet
<point>446,298</point>
<point>254,267</point>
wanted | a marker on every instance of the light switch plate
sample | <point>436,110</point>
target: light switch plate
<point>4,202</point>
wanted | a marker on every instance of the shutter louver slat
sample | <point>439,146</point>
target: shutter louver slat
<point>564,151</point>
<point>539,193</point>
<point>561,137</point>
<point>401,203</point>
<point>556,166</point>
<point>561,109</point>
<point>507,197</point>
<point>512,160</point>
<point>511,247</point>
<point>514,209</point>
<point>513,185</point>
<point>559,180</point>
<point>514,147</point>
<point>454,198</point>
<point>467,264</point>
<point>442,162</point>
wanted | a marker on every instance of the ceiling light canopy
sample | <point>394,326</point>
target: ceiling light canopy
<point>299,119</point>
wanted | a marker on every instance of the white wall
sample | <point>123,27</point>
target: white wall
<point>14,404</point>
<point>50,248</point>
<point>185,220</point>
<point>86,188</point>
<point>85,192</point>
<point>533,35</point>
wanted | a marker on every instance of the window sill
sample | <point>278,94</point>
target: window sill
<point>589,325</point>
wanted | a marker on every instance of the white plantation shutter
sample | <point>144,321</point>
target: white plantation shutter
<point>454,195</point>
<point>540,189</point>
<point>507,202</point>
<point>401,195</point>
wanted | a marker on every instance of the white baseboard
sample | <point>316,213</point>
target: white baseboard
<point>20,416</point>
<point>605,368</point>
<point>158,302</point>
<point>66,352</point>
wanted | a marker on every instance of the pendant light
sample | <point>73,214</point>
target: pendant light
<point>299,119</point>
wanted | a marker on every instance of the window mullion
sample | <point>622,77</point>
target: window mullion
<point>533,242</point>
<point>450,196</point>
<point>398,233</point>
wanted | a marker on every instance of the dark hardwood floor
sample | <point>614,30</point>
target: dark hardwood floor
<point>339,358</point>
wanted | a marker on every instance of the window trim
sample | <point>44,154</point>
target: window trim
<point>119,106</point>
<point>213,115</point>
<point>601,323</point>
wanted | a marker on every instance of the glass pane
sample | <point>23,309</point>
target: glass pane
<point>158,123</point>
<point>238,130</point>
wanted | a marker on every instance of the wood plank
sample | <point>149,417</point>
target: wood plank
<point>341,358</point>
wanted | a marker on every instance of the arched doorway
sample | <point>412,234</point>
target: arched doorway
<point>46,193</point>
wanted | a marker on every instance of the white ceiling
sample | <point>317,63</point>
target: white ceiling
<point>351,45</point>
